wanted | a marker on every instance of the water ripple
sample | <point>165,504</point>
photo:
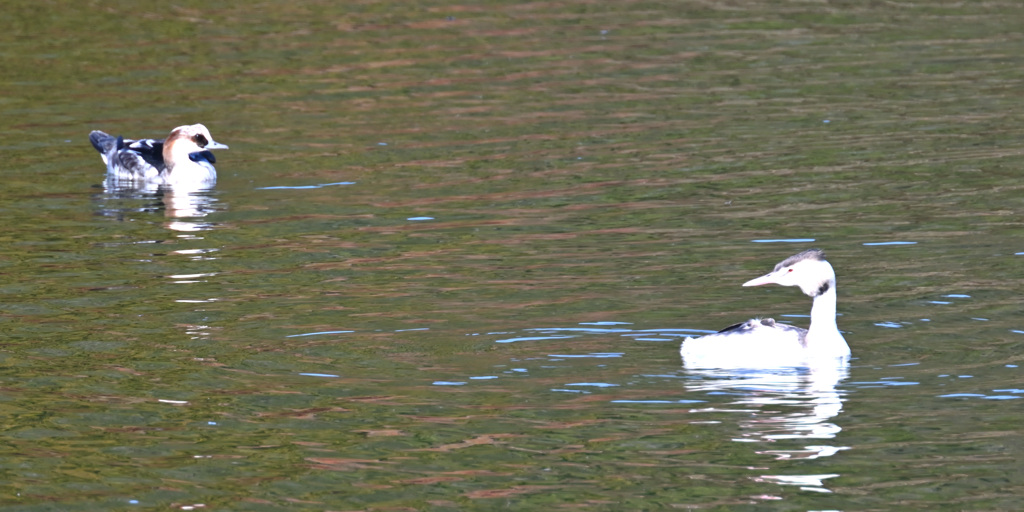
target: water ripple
<point>305,187</point>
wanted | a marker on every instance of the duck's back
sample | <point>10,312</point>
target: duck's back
<point>129,160</point>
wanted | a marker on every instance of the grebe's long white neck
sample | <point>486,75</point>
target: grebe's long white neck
<point>823,328</point>
<point>763,342</point>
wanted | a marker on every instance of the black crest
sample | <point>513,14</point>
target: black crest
<point>809,254</point>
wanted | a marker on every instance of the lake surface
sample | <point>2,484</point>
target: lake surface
<point>454,248</point>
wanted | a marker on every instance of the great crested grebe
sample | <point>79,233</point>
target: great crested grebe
<point>762,342</point>
<point>183,158</point>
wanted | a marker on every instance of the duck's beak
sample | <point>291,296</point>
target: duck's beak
<point>216,145</point>
<point>765,279</point>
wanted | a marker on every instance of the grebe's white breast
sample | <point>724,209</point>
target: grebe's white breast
<point>763,342</point>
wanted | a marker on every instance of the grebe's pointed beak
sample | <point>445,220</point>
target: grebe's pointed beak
<point>765,279</point>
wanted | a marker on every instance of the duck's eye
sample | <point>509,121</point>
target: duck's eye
<point>790,270</point>
<point>200,140</point>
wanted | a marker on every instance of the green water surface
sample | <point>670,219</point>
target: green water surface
<point>412,185</point>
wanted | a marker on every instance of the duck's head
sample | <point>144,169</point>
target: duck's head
<point>188,139</point>
<point>808,270</point>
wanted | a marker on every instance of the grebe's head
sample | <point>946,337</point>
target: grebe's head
<point>808,270</point>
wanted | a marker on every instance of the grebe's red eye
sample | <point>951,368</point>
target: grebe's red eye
<point>790,270</point>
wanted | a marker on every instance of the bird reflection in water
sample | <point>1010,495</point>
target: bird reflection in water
<point>184,211</point>
<point>793,408</point>
<point>182,207</point>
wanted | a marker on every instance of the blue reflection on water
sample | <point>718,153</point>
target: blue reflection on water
<point>304,187</point>
<point>882,383</point>
<point>317,333</point>
<point>594,355</point>
<point>532,338</point>
<point>658,401</point>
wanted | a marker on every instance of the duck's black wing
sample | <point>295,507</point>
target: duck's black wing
<point>148,151</point>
